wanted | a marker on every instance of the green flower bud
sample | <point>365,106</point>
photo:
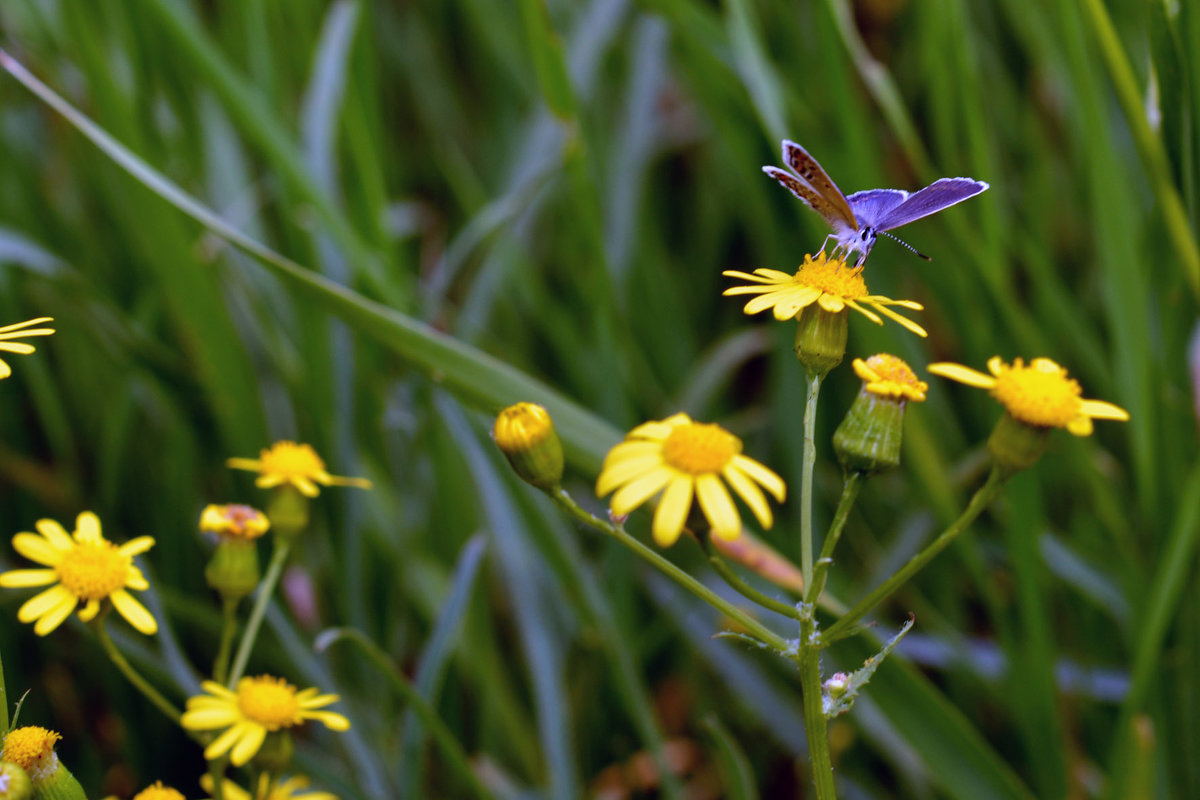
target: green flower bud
<point>868,440</point>
<point>31,749</point>
<point>525,434</point>
<point>233,569</point>
<point>288,511</point>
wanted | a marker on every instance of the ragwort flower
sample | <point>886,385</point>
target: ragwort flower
<point>1038,394</point>
<point>687,460</point>
<point>830,284</point>
<point>85,567</point>
<point>159,792</point>
<point>234,521</point>
<point>258,706</point>
<point>293,464</point>
<point>16,331</point>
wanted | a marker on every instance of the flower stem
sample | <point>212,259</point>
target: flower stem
<point>3,701</point>
<point>141,684</point>
<point>737,584</point>
<point>806,478</point>
<point>850,489</point>
<point>815,725</point>
<point>228,629</point>
<point>750,625</point>
<point>981,500</point>
<point>265,590</point>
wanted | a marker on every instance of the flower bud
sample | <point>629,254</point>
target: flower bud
<point>868,440</point>
<point>32,749</point>
<point>233,570</point>
<point>525,434</point>
<point>821,339</point>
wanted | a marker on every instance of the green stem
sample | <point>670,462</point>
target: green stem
<point>228,629</point>
<point>3,701</point>
<point>265,590</point>
<point>850,489</point>
<point>806,478</point>
<point>141,684</point>
<point>815,724</point>
<point>1149,145</point>
<point>981,500</point>
<point>737,584</point>
<point>216,771</point>
<point>750,625</point>
<point>442,735</point>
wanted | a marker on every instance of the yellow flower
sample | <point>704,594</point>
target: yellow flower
<point>159,792</point>
<point>86,568</point>
<point>258,706</point>
<point>524,432</point>
<point>686,459</point>
<point>296,464</point>
<point>32,748</point>
<point>16,331</point>
<point>1040,394</point>
<point>289,789</point>
<point>888,376</point>
<point>234,521</point>
<point>830,283</point>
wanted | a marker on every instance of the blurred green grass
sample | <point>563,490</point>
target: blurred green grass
<point>560,188</point>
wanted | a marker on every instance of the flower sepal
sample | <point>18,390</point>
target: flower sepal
<point>233,570</point>
<point>287,509</point>
<point>868,439</point>
<point>1015,445</point>
<point>821,339</point>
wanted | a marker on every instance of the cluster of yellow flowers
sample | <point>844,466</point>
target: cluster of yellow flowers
<point>89,574</point>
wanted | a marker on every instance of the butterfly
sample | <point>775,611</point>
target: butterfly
<point>858,219</point>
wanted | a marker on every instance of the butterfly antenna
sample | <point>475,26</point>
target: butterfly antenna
<point>908,246</point>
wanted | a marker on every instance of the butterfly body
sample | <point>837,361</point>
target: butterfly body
<point>859,219</point>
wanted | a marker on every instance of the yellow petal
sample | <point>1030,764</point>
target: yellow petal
<point>38,548</point>
<point>331,719</point>
<point>765,476</point>
<point>832,303</point>
<point>136,546</point>
<point>43,602</point>
<point>214,688</point>
<point>866,312</point>
<point>219,746</point>
<point>251,740</point>
<point>207,719</point>
<point>18,325</point>
<point>672,511</point>
<point>87,527</point>
<point>1098,409</point>
<point>5,369</point>
<point>957,372</point>
<point>55,616</point>
<point>630,448</point>
<point>28,577</point>
<point>55,533</point>
<point>89,611</point>
<point>903,320</point>
<point>251,464</point>
<point>718,507</point>
<point>17,347</point>
<point>749,491</point>
<point>1080,426</point>
<point>134,612</point>
<point>628,469</point>
<point>306,487</point>
<point>657,430</point>
<point>637,491</point>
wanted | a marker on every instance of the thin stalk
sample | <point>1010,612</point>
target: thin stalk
<point>216,771</point>
<point>441,733</point>
<point>228,629</point>
<point>981,500</point>
<point>806,479</point>
<point>1149,145</point>
<point>141,684</point>
<point>815,724</point>
<point>850,489</point>
<point>3,701</point>
<point>741,587</point>
<point>265,590</point>
<point>750,625</point>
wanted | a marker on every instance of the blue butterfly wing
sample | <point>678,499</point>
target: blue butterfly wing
<point>874,204</point>
<point>940,194</point>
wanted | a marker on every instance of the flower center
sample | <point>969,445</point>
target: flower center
<point>32,749</point>
<point>1039,394</point>
<point>832,277</point>
<point>893,370</point>
<point>271,702</point>
<point>93,570</point>
<point>697,448</point>
<point>289,458</point>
